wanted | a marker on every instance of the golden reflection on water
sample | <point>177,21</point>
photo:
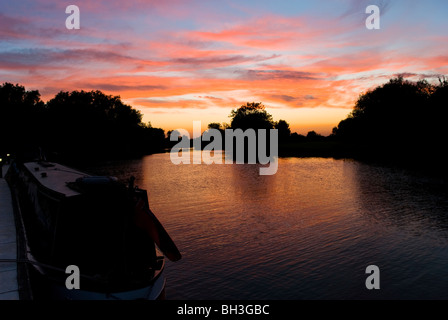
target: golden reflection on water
<point>307,232</point>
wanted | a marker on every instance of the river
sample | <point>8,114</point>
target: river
<point>307,232</point>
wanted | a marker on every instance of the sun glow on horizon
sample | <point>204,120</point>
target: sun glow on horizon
<point>178,62</point>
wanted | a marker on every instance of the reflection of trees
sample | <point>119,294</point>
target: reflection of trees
<point>414,204</point>
<point>246,179</point>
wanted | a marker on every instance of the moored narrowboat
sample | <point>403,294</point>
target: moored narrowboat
<point>98,224</point>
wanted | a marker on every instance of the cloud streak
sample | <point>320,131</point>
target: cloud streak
<point>193,55</point>
<point>277,75</point>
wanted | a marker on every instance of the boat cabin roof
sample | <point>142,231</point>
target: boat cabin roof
<point>55,176</point>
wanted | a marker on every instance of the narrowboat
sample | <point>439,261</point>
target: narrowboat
<point>99,225</point>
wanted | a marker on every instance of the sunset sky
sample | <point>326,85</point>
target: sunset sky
<point>180,61</point>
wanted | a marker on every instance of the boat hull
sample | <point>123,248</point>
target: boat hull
<point>59,230</point>
<point>154,291</point>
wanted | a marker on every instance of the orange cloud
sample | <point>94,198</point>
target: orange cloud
<point>166,57</point>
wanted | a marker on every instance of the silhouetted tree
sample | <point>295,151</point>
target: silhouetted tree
<point>390,112</point>
<point>215,125</point>
<point>251,115</point>
<point>313,136</point>
<point>401,120</point>
<point>284,132</point>
<point>92,124</point>
<point>74,125</point>
<point>20,118</point>
<point>438,111</point>
<point>295,137</point>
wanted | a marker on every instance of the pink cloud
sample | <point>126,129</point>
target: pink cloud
<point>286,62</point>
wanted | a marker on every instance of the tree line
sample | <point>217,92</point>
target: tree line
<point>400,121</point>
<point>73,126</point>
<point>253,115</point>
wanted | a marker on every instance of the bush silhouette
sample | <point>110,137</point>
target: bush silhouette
<point>75,125</point>
<point>401,120</point>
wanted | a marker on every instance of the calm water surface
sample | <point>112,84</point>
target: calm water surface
<point>307,232</point>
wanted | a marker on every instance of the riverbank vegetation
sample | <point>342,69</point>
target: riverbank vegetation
<point>73,126</point>
<point>400,122</point>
